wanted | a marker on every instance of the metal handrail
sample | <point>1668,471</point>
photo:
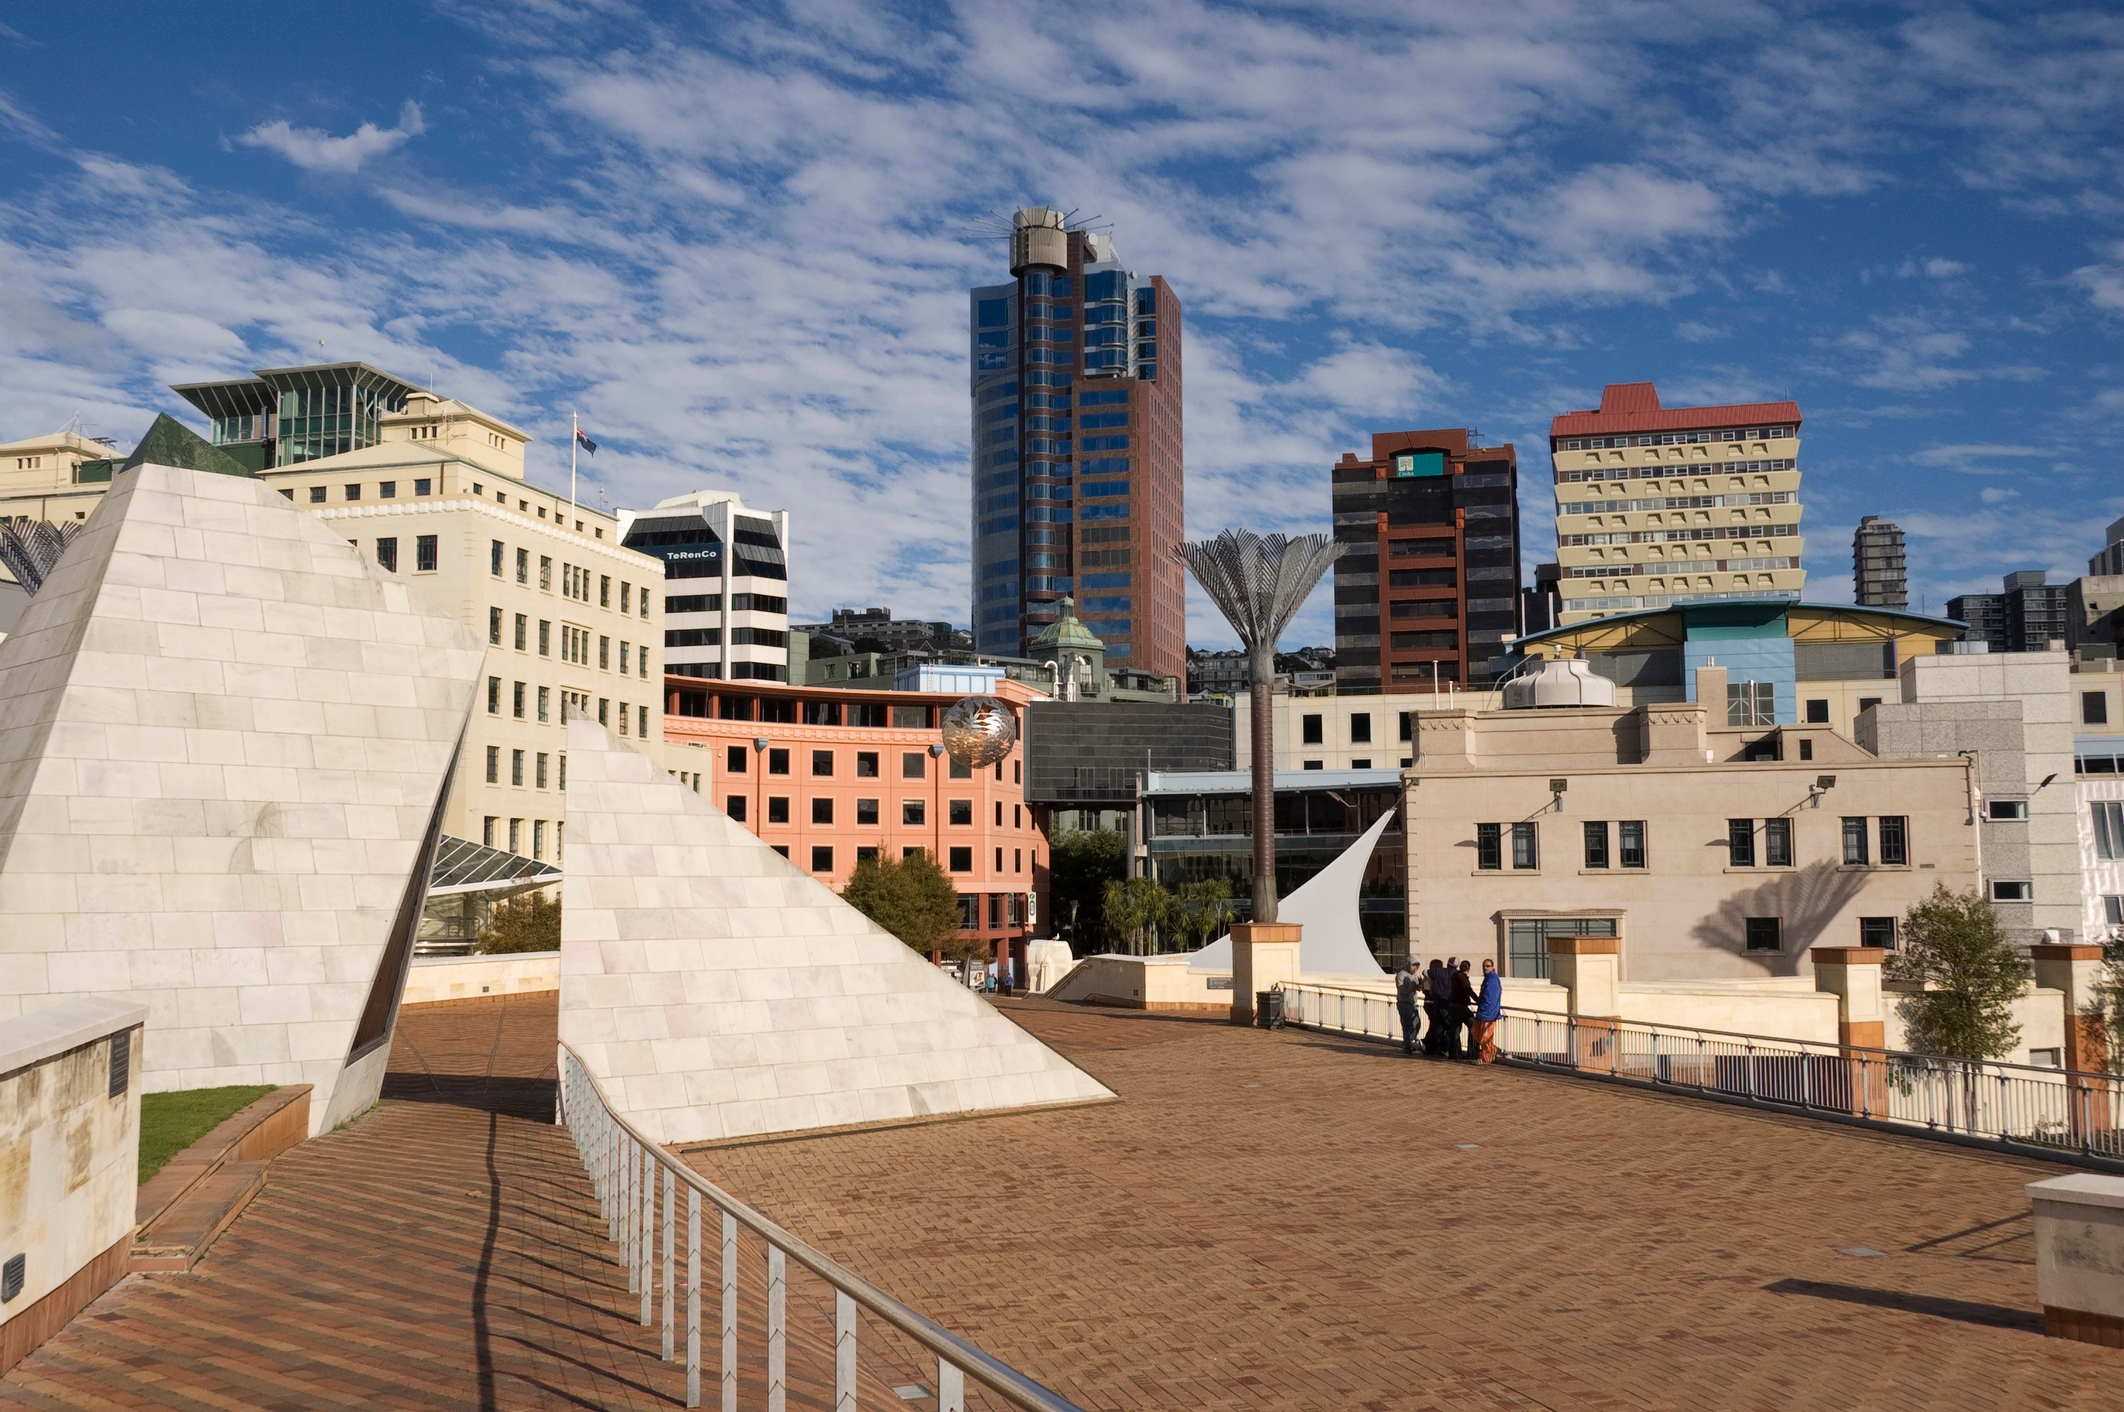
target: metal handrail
<point>2023,1108</point>
<point>623,1163</point>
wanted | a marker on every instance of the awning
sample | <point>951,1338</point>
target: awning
<point>463,867</point>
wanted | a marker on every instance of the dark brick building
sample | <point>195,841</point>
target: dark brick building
<point>1427,589</point>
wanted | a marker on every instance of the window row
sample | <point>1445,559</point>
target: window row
<point>914,813</point>
<point>385,490</point>
<point>518,835</point>
<point>539,775</point>
<point>957,860</point>
<point>1623,847</point>
<point>424,555</point>
<point>1858,833</point>
<point>529,703</point>
<point>576,582</point>
<point>1678,438</point>
<point>574,643</point>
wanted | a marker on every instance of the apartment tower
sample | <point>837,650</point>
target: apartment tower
<point>726,589</point>
<point>1663,505</point>
<point>1075,375</point>
<point>1879,576</point>
<point>1426,586</point>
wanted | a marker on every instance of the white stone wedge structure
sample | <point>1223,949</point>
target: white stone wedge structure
<point>1327,905</point>
<point>716,990</point>
<point>224,741</point>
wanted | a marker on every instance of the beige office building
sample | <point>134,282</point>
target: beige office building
<point>433,490</point>
<point>1663,505</point>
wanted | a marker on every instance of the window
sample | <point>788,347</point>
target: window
<point>914,765</point>
<point>1763,934</point>
<point>734,806</point>
<point>624,647</point>
<point>523,628</point>
<point>1596,844</point>
<point>516,767</point>
<point>545,638</point>
<point>962,860</point>
<point>563,782</point>
<point>353,492</point>
<point>494,625</point>
<point>1527,940</point>
<point>494,696</point>
<point>424,487</point>
<point>2113,910</point>
<point>540,776</point>
<point>866,764</point>
<point>822,763</point>
<point>2015,809</point>
<point>781,848</point>
<point>1895,841</point>
<point>911,717</point>
<point>2094,708</point>
<point>1316,764</point>
<point>1777,842</point>
<point>494,764</point>
<point>387,555</point>
<point>604,590</point>
<point>516,835</point>
<point>2012,892</point>
<point>961,813</point>
<point>2046,1058</point>
<point>866,812</point>
<point>1867,703</point>
<point>999,813</point>
<point>1817,713</point>
<point>1309,727</point>
<point>734,759</point>
<point>914,812</point>
<point>523,566</point>
<point>604,654</point>
<point>777,761</point>
<point>626,597</point>
<point>1489,850</point>
<point>494,559</point>
<point>317,495</point>
<point>2108,827</point>
<point>1740,843</point>
<point>1751,703</point>
<point>960,770</point>
<point>545,696</point>
<point>1877,931</point>
<point>1524,852</point>
<point>486,834</point>
<point>1855,843</point>
<point>1361,728</point>
<point>387,490</point>
<point>777,809</point>
<point>1408,721</point>
<point>822,811</point>
<point>1806,748</point>
<point>821,860</point>
<point>518,701</point>
<point>604,708</point>
<point>1631,840</point>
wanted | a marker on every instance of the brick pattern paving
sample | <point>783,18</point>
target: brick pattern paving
<point>1293,1220</point>
<point>442,1251</point>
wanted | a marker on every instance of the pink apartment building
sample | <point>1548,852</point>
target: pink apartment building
<point>831,775</point>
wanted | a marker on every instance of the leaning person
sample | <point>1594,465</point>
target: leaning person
<point>1460,1011</point>
<point>1436,990</point>
<point>1489,1009</point>
<point>1408,982</point>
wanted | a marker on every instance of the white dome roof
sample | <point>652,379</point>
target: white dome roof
<point>1558,682</point>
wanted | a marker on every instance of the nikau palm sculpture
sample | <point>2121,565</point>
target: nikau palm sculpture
<point>1258,583</point>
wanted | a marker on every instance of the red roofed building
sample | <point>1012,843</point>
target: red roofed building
<point>1663,505</point>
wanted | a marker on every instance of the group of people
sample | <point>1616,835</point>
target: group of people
<point>1451,1003</point>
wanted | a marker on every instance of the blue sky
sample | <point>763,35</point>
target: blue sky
<point>737,239</point>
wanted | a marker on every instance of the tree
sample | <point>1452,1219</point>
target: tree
<point>530,921</point>
<point>1971,974</point>
<point>1201,909</point>
<point>913,899</point>
<point>1135,907</point>
<point>1081,864</point>
<point>2106,1008</point>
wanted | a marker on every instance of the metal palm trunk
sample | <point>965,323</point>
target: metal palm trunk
<point>31,548</point>
<point>1258,582</point>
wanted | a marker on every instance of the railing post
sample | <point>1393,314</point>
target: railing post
<point>693,1297</point>
<point>629,1173</point>
<point>951,1388</point>
<point>844,1353</point>
<point>730,1349</point>
<point>670,1269</point>
<point>647,1249</point>
<point>777,1331</point>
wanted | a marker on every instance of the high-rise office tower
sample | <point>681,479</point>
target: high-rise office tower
<point>1663,505</point>
<point>1878,572</point>
<point>1077,454</point>
<point>726,590</point>
<point>2110,562</point>
<point>1425,590</point>
<point>2027,615</point>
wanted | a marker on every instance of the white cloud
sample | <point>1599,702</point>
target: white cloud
<point>315,150</point>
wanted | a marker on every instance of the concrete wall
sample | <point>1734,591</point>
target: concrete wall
<point>69,1159</point>
<point>2039,1012</point>
<point>433,978</point>
<point>1146,983</point>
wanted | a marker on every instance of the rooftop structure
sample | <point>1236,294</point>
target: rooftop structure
<point>1663,505</point>
<point>1879,573</point>
<point>726,584</point>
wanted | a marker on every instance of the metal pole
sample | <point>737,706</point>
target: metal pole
<point>1263,728</point>
<point>670,1266</point>
<point>730,1351</point>
<point>693,1297</point>
<point>777,1330</point>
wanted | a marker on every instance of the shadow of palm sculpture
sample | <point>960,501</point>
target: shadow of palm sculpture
<point>1806,900</point>
<point>1258,583</point>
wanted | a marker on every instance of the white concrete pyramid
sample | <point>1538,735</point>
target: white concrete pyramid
<point>716,990</point>
<point>223,744</point>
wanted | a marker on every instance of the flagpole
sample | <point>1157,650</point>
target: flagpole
<point>576,424</point>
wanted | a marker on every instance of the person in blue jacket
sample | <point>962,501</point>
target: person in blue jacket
<point>1489,1009</point>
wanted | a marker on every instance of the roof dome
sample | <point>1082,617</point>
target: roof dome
<point>1066,632</point>
<point>1559,682</point>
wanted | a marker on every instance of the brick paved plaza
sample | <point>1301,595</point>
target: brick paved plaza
<point>1263,1221</point>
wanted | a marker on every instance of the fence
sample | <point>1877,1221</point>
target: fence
<point>633,1177</point>
<point>2017,1107</point>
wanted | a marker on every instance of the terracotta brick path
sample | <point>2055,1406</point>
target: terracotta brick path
<point>1294,1221</point>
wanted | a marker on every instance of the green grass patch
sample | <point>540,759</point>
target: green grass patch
<point>171,1122</point>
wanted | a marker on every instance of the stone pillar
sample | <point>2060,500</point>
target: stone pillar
<point>2075,970</point>
<point>1263,953</point>
<point>2079,1240</point>
<point>1853,975</point>
<point>1590,968</point>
